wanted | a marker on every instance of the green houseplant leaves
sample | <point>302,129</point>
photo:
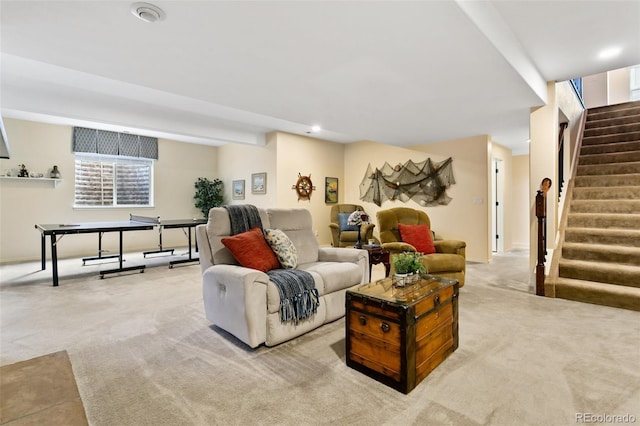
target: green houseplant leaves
<point>209,194</point>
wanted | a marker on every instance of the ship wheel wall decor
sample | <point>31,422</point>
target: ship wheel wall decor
<point>304,187</point>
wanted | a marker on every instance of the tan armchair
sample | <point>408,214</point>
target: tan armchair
<point>449,259</point>
<point>347,238</point>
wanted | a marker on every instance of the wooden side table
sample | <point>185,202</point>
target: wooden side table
<point>378,255</point>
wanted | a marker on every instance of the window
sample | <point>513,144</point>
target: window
<point>113,181</point>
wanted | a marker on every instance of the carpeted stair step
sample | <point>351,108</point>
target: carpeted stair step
<point>613,121</point>
<point>617,296</point>
<point>607,148</point>
<point>606,193</point>
<point>612,111</point>
<point>633,126</point>
<point>606,206</point>
<point>610,157</point>
<point>609,273</point>
<point>608,169</point>
<point>632,179</point>
<point>612,138</point>
<point>603,220</point>
<point>602,253</point>
<point>624,237</point>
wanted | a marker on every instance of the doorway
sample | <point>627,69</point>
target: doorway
<point>497,208</point>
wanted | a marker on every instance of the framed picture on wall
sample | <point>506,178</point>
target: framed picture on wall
<point>259,183</point>
<point>237,190</point>
<point>330,190</point>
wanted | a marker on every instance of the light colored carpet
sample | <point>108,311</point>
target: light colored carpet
<point>144,354</point>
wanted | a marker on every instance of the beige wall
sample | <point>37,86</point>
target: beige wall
<point>518,210</point>
<point>609,88</point>
<point>543,161</point>
<point>239,162</point>
<point>26,203</point>
<point>619,86</point>
<point>465,217</point>
<point>38,145</point>
<point>299,155</point>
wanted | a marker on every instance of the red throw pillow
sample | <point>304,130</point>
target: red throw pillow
<point>418,236</point>
<point>251,250</point>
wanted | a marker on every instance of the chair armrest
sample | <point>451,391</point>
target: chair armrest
<point>334,225</point>
<point>337,254</point>
<point>231,275</point>
<point>353,255</point>
<point>398,247</point>
<point>235,299</point>
<point>204,248</point>
<point>450,246</point>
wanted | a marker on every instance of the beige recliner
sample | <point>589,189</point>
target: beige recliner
<point>245,302</point>
<point>448,261</point>
<point>343,235</point>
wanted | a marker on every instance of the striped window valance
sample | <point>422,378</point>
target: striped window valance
<point>113,143</point>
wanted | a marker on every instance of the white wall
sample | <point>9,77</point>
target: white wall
<point>26,203</point>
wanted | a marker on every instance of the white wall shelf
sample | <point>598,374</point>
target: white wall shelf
<point>30,179</point>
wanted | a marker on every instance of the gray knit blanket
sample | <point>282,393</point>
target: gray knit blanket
<point>298,294</point>
<point>243,217</point>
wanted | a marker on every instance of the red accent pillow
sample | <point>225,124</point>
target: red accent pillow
<point>418,236</point>
<point>251,250</point>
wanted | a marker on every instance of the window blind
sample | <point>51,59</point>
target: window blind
<point>113,143</point>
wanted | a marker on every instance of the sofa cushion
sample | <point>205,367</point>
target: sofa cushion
<point>418,236</point>
<point>283,248</point>
<point>343,220</point>
<point>334,275</point>
<point>297,224</point>
<point>251,250</point>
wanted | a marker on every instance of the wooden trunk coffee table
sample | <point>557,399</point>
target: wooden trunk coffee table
<point>398,335</point>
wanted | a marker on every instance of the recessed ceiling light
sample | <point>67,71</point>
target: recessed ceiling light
<point>147,12</point>
<point>610,52</point>
<point>315,129</point>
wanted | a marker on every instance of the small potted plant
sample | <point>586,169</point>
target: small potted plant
<point>407,266</point>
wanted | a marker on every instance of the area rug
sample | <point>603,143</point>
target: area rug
<point>40,391</point>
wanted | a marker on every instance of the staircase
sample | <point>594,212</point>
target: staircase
<point>600,256</point>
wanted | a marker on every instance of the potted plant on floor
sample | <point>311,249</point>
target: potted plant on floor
<point>209,194</point>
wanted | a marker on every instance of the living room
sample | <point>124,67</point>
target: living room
<point>138,349</point>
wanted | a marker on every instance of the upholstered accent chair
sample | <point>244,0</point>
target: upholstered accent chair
<point>344,235</point>
<point>449,259</point>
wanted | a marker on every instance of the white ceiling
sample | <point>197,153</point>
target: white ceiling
<point>395,72</point>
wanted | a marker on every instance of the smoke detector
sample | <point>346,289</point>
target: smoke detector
<point>147,12</point>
